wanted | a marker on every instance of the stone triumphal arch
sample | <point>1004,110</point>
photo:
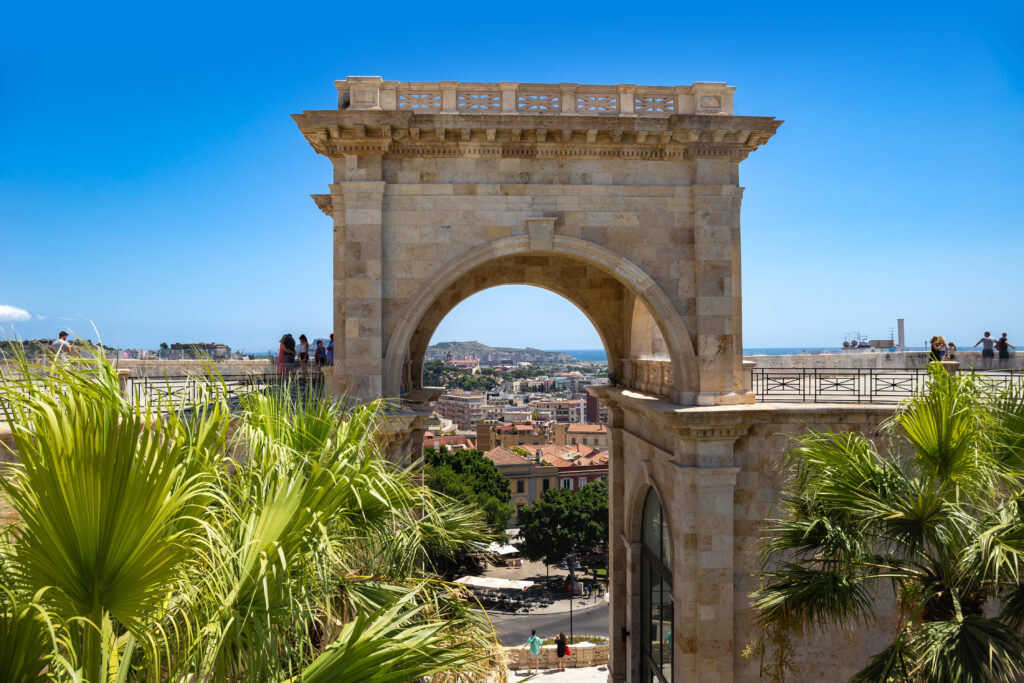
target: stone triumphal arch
<point>625,200</point>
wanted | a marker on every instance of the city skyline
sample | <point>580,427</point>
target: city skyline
<point>162,193</point>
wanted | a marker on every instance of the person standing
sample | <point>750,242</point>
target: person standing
<point>320,355</point>
<point>285,354</point>
<point>1003,346</point>
<point>987,352</point>
<point>561,649</point>
<point>303,352</point>
<point>330,350</point>
<point>61,345</point>
<point>938,348</point>
<point>950,351</point>
<point>533,657</point>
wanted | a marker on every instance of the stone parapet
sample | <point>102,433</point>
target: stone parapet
<point>453,97</point>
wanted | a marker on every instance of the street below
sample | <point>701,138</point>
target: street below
<point>514,629</point>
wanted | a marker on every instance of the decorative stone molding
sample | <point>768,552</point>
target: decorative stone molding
<point>435,134</point>
<point>714,433</point>
<point>372,92</point>
<point>324,203</point>
<point>519,120</point>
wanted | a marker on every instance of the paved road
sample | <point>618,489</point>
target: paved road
<point>514,629</point>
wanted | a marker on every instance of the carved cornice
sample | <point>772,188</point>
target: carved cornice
<point>403,134</point>
<point>324,203</point>
<point>714,433</point>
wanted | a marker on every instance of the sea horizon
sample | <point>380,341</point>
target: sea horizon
<point>599,355</point>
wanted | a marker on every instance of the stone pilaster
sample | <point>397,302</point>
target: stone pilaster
<point>358,268</point>
<point>710,569</point>
<point>618,664</point>
<point>719,349</point>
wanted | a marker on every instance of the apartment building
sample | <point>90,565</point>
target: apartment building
<point>563,411</point>
<point>577,465</point>
<point>529,478</point>
<point>464,408</point>
<point>595,436</point>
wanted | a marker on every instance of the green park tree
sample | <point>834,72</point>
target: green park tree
<point>563,521</point>
<point>469,477</point>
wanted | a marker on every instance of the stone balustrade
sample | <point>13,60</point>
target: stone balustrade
<point>581,655</point>
<point>651,376</point>
<point>453,97</point>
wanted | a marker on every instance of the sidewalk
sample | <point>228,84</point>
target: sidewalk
<point>588,674</point>
<point>558,607</point>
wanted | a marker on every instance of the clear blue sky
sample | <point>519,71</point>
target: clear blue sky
<point>152,182</point>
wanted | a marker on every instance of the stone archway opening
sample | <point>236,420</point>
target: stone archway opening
<point>610,305</point>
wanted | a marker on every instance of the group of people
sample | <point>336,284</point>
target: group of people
<point>989,347</point>
<point>533,644</point>
<point>291,355</point>
<point>943,350</point>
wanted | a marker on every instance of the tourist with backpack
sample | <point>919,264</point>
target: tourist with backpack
<point>1003,346</point>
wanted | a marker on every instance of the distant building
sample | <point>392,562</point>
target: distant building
<point>512,434</point>
<point>465,408</point>
<point>529,478</point>
<point>577,465</point>
<point>595,436</point>
<point>450,442</point>
<point>595,411</point>
<point>563,411</point>
<point>197,350</point>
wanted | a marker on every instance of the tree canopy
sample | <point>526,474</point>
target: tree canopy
<point>268,540</point>
<point>563,521</point>
<point>437,374</point>
<point>469,477</point>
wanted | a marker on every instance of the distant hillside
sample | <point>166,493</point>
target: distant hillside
<point>494,353</point>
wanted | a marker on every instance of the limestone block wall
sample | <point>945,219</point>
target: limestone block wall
<point>717,472</point>
<point>437,186</point>
<point>823,657</point>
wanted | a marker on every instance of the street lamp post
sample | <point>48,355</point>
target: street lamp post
<point>570,559</point>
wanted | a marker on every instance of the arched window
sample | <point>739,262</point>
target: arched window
<point>656,597</point>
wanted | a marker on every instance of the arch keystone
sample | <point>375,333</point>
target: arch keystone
<point>542,233</point>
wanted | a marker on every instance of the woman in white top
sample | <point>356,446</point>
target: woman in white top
<point>303,352</point>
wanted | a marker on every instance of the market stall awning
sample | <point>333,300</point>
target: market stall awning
<point>502,549</point>
<point>493,583</point>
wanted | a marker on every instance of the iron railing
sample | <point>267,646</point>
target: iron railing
<point>183,391</point>
<point>172,393</point>
<point>855,385</point>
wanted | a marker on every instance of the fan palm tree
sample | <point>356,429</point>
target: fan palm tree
<point>929,525</point>
<point>272,543</point>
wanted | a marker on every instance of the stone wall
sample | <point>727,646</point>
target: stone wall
<point>717,471</point>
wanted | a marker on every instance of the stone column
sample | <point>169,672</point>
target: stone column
<point>618,550</point>
<point>719,306</point>
<point>713,566</point>
<point>358,270</point>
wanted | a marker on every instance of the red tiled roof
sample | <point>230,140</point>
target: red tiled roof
<point>503,456</point>
<point>586,429</point>
<point>434,442</point>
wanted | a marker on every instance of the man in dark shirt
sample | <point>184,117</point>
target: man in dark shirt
<point>1003,346</point>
